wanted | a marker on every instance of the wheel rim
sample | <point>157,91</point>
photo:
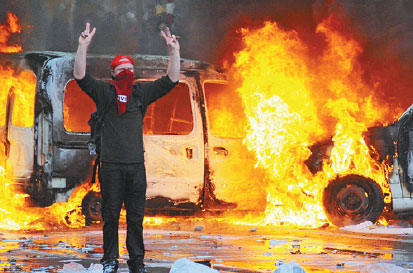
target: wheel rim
<point>95,208</point>
<point>92,206</point>
<point>353,200</point>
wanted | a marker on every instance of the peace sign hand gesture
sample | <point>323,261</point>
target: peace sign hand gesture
<point>86,36</point>
<point>171,40</point>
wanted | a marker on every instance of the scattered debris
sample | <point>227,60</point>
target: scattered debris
<point>274,242</point>
<point>295,249</point>
<point>87,249</point>
<point>369,227</point>
<point>340,265</point>
<point>279,263</point>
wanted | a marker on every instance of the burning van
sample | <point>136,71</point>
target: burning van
<point>193,141</point>
<point>191,151</point>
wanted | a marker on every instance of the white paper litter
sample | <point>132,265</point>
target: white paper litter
<point>78,268</point>
<point>274,242</point>
<point>383,268</point>
<point>291,267</point>
<point>369,227</point>
<point>187,266</point>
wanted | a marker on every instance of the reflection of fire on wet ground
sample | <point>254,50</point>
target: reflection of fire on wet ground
<point>229,248</point>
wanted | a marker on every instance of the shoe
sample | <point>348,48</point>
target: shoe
<point>110,266</point>
<point>140,269</point>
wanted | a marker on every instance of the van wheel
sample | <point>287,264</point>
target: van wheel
<point>352,199</point>
<point>92,207</point>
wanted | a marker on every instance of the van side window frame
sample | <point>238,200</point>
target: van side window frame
<point>190,97</point>
<point>224,82</point>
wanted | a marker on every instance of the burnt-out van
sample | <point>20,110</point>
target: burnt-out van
<point>192,137</point>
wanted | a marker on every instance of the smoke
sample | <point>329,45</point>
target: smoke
<point>205,27</point>
<point>385,29</point>
<point>212,25</point>
<point>208,30</point>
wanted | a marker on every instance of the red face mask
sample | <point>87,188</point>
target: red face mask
<point>123,84</point>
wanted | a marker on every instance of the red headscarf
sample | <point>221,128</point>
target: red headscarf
<point>117,61</point>
<point>123,82</point>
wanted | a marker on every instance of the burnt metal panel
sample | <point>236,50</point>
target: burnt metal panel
<point>403,126</point>
<point>382,139</point>
<point>74,164</point>
<point>207,196</point>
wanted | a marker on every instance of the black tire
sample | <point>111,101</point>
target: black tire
<point>92,207</point>
<point>352,199</point>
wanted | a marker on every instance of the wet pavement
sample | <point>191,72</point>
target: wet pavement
<point>226,247</point>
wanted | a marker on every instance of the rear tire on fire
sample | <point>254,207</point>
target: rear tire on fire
<point>92,207</point>
<point>352,199</point>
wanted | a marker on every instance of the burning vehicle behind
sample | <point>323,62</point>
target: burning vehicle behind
<point>188,154</point>
<point>192,139</point>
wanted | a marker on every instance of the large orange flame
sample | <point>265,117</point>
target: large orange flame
<point>22,86</point>
<point>294,98</point>
<point>6,31</point>
<point>13,208</point>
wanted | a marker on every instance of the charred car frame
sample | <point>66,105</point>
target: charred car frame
<point>187,162</point>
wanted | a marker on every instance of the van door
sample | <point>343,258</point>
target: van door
<point>174,146</point>
<point>19,123</point>
<point>232,170</point>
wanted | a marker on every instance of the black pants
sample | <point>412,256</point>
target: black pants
<point>123,183</point>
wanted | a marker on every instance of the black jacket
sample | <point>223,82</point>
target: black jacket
<point>122,139</point>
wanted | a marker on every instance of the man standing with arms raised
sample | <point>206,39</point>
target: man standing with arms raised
<point>122,174</point>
